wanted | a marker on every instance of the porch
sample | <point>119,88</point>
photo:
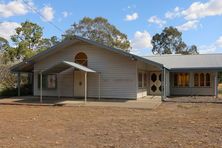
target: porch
<point>149,102</point>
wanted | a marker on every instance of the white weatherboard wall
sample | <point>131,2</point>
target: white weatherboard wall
<point>191,90</point>
<point>118,73</point>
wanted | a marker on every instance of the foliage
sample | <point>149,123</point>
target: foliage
<point>4,46</point>
<point>170,41</point>
<point>28,41</point>
<point>24,90</point>
<point>99,30</point>
<point>220,77</point>
<point>8,82</point>
<point>7,79</point>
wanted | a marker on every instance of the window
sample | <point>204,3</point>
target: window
<point>181,79</point>
<point>202,79</point>
<point>51,81</point>
<point>175,79</point>
<point>207,79</point>
<point>48,81</point>
<point>196,79</point>
<point>140,80</point>
<point>81,59</point>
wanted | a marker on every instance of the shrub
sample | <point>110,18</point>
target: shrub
<point>8,83</point>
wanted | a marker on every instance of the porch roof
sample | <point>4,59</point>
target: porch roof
<point>64,65</point>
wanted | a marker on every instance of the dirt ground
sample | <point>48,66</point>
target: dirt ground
<point>170,125</point>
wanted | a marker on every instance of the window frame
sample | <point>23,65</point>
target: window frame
<point>183,82</point>
<point>144,83</point>
<point>81,58</point>
<point>140,80</point>
<point>205,82</point>
<point>45,81</point>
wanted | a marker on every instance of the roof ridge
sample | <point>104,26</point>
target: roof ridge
<point>169,55</point>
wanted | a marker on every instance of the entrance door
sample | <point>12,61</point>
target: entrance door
<point>155,83</point>
<point>79,84</point>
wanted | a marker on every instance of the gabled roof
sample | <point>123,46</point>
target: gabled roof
<point>64,65</point>
<point>183,62</point>
<point>28,64</point>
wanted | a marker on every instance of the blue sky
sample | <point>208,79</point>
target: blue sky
<point>200,21</point>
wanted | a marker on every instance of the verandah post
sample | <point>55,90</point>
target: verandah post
<point>18,83</point>
<point>40,86</point>
<point>99,86</point>
<point>85,87</point>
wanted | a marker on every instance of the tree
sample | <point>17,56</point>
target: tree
<point>28,41</point>
<point>46,43</point>
<point>99,30</point>
<point>3,44</point>
<point>5,51</point>
<point>170,41</point>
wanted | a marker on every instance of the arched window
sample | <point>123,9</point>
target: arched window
<point>207,79</point>
<point>81,58</point>
<point>202,79</point>
<point>196,79</point>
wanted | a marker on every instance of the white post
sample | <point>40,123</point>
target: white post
<point>215,86</point>
<point>40,87</point>
<point>85,87</point>
<point>58,89</point>
<point>18,83</point>
<point>99,86</point>
<point>162,84</point>
<point>164,87</point>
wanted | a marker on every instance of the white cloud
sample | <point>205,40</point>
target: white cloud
<point>141,40</point>
<point>7,29</point>
<point>219,42</point>
<point>188,25</point>
<point>207,49</point>
<point>48,13</point>
<point>212,48</point>
<point>132,17</point>
<point>199,10</point>
<point>66,14</point>
<point>173,14</point>
<point>14,8</point>
<point>156,20</point>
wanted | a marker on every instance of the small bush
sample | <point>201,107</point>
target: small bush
<point>24,91</point>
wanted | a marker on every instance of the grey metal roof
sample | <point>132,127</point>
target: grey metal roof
<point>64,65</point>
<point>200,61</point>
<point>30,62</point>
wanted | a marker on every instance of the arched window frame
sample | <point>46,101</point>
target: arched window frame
<point>202,79</point>
<point>196,79</point>
<point>81,58</point>
<point>208,81</point>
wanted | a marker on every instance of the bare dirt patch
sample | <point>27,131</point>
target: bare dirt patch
<point>170,125</point>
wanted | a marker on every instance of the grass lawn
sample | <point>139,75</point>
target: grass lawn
<point>170,125</point>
